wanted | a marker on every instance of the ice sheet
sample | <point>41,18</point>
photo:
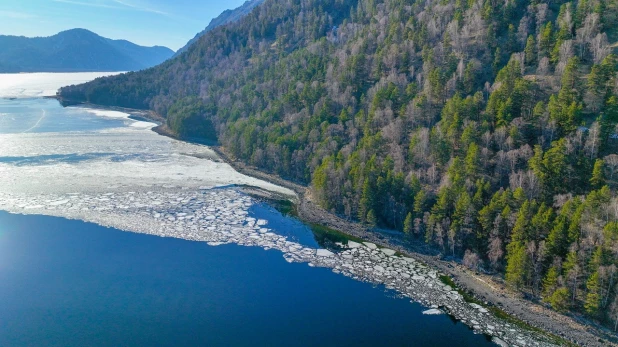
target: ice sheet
<point>28,85</point>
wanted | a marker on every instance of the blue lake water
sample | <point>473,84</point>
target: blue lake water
<point>70,283</point>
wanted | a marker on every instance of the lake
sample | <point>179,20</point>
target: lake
<point>70,283</point>
<point>72,275</point>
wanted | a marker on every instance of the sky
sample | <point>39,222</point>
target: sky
<point>169,23</point>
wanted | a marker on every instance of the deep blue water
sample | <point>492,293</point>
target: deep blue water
<point>70,283</point>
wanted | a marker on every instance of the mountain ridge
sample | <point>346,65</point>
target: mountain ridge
<point>76,50</point>
<point>227,16</point>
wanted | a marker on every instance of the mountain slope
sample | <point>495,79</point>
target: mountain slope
<point>485,128</point>
<point>76,50</point>
<point>227,16</point>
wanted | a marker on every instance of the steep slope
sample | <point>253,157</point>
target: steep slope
<point>485,128</point>
<point>227,16</point>
<point>76,50</point>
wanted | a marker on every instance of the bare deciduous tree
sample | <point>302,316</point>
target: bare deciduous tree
<point>472,260</point>
<point>600,48</point>
<point>592,141</point>
<point>611,162</point>
<point>544,67</point>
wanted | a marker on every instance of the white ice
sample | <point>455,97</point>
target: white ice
<point>28,85</point>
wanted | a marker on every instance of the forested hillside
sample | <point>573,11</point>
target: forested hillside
<point>227,16</point>
<point>486,128</point>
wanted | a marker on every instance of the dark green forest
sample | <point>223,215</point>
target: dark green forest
<point>484,128</point>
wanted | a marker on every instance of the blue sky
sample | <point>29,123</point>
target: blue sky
<point>168,23</point>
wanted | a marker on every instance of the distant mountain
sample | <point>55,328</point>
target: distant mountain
<point>76,50</point>
<point>227,16</point>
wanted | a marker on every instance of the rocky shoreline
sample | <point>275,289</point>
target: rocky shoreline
<point>482,288</point>
<point>222,216</point>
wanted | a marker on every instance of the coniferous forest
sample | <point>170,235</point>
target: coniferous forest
<point>486,128</point>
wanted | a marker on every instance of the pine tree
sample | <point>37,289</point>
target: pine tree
<point>472,161</point>
<point>610,232</point>
<point>408,224</point>
<point>601,75</point>
<point>546,40</point>
<point>367,201</point>
<point>555,166</point>
<point>557,240</point>
<point>549,283</point>
<point>598,178</point>
<point>517,270</point>
<point>517,263</point>
<point>497,60</point>
<point>419,202</point>
<point>593,298</point>
<point>530,50</point>
<point>469,81</point>
<point>566,108</point>
<point>372,220</point>
<point>536,163</point>
<point>560,299</point>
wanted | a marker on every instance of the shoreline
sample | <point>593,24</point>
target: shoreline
<point>482,288</point>
<point>223,216</point>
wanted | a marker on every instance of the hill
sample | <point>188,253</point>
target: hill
<point>76,50</point>
<point>227,16</point>
<point>486,129</point>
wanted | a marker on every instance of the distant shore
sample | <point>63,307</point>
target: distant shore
<point>486,289</point>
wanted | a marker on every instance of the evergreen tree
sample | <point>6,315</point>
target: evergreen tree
<point>530,50</point>
<point>372,220</point>
<point>560,299</point>
<point>593,298</point>
<point>598,178</point>
<point>472,161</point>
<point>408,224</point>
<point>546,41</point>
<point>550,283</point>
<point>517,264</point>
<point>419,202</point>
<point>566,108</point>
<point>367,201</point>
